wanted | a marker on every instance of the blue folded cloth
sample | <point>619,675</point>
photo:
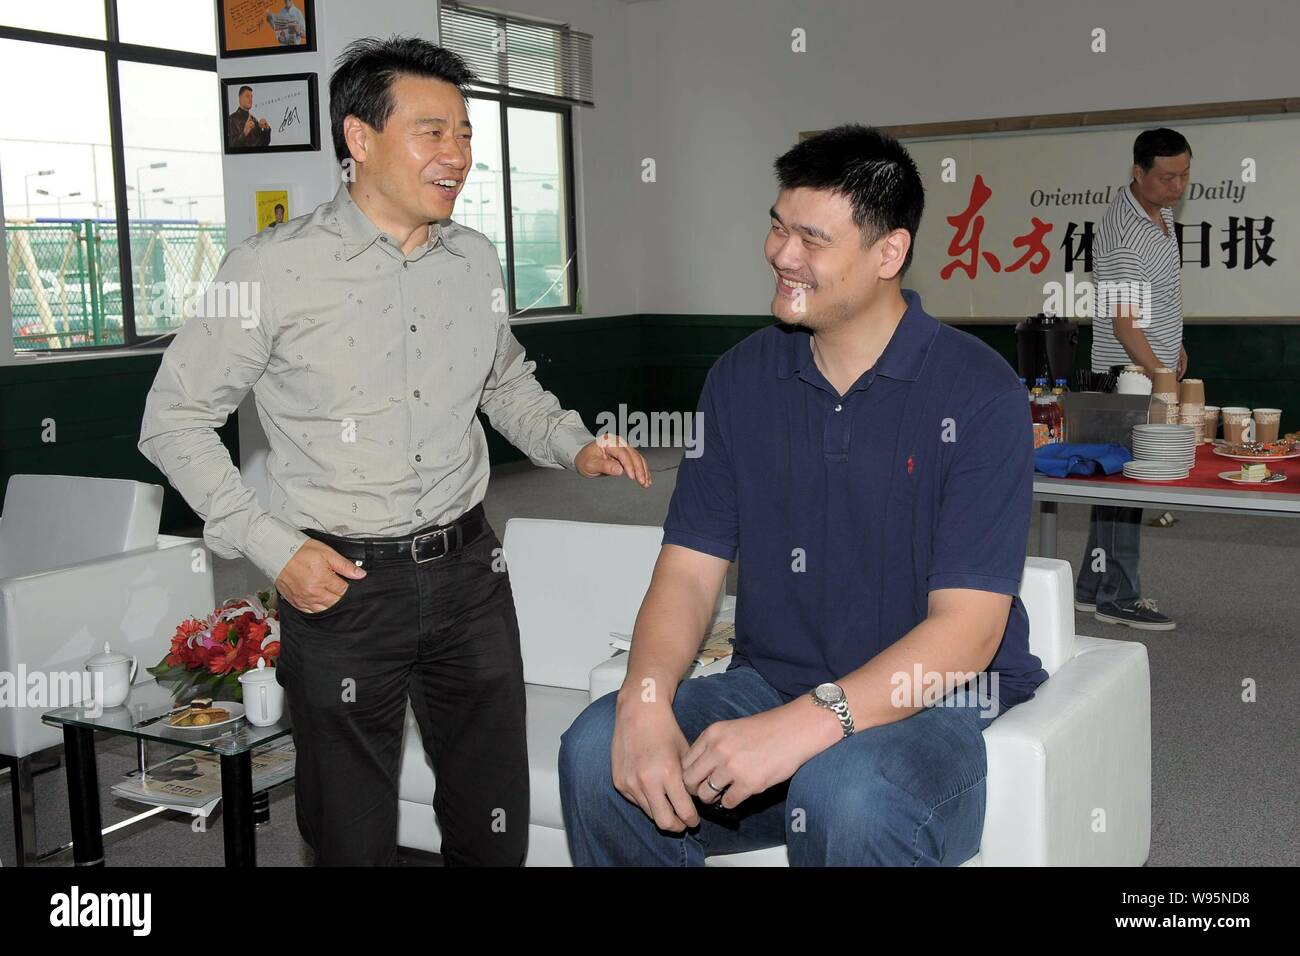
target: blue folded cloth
<point>1061,460</point>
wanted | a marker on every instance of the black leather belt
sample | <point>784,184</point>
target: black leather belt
<point>427,544</point>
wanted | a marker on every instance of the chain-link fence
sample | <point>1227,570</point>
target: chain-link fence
<point>65,284</point>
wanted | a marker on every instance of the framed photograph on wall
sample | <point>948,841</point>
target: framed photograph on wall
<point>255,27</point>
<point>272,205</point>
<point>269,114</point>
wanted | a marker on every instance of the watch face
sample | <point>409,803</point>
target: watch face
<point>829,693</point>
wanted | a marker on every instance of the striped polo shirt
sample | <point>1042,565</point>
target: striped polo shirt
<point>1133,260</point>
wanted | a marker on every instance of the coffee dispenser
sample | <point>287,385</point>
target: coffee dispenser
<point>1045,347</point>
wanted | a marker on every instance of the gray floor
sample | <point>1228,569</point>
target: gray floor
<point>1226,772</point>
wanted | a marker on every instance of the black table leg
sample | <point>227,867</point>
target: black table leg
<point>1047,529</point>
<point>262,807</point>
<point>237,809</point>
<point>83,796</point>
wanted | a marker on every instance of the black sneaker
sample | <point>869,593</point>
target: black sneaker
<point>1139,612</point>
<point>1087,607</point>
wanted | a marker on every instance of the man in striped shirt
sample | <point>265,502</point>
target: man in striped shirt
<point>1138,320</point>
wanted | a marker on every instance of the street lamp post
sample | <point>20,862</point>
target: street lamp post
<point>27,187</point>
<point>58,199</point>
<point>140,192</point>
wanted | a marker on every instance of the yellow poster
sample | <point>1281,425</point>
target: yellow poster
<point>272,207</point>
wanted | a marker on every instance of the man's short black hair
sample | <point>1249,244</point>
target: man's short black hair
<point>362,82</point>
<point>278,208</point>
<point>242,88</point>
<point>1151,143</point>
<point>869,168</point>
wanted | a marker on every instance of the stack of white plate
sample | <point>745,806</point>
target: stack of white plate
<point>1162,452</point>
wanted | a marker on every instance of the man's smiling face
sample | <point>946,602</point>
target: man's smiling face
<point>821,271</point>
<point>420,158</point>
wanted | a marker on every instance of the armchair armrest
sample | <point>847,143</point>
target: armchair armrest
<point>52,621</point>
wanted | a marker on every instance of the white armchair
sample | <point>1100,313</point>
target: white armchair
<point>1069,779</point>
<point>82,564</point>
<point>573,582</point>
<point>1069,772</point>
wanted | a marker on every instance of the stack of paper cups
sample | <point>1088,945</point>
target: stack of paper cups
<point>1211,419</point>
<point>1191,396</point>
<point>1164,388</point>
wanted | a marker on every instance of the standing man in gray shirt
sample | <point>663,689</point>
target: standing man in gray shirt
<point>1139,320</point>
<point>371,331</point>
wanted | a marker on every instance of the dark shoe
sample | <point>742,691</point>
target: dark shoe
<point>1085,606</point>
<point>1139,612</point>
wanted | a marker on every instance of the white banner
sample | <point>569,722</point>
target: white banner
<point>1009,219</point>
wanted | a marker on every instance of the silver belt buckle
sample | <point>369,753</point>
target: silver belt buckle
<point>430,534</point>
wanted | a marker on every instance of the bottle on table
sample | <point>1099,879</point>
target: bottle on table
<point>1057,391</point>
<point>1038,411</point>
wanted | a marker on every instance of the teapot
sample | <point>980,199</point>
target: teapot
<point>263,695</point>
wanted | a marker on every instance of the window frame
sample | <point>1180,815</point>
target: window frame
<point>115,52</point>
<point>507,101</point>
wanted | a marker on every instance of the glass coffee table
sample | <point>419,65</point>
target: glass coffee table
<point>232,743</point>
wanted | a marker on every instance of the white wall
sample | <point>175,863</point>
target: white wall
<point>712,92</point>
<point>603,135</point>
<point>607,141</point>
<point>719,95</point>
<point>314,175</point>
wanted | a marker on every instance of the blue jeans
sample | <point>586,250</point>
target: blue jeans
<point>910,793</point>
<point>1118,533</point>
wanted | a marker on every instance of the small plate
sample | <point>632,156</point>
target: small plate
<point>1235,478</point>
<point>235,708</point>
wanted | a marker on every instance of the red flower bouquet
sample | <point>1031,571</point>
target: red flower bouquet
<point>210,655</point>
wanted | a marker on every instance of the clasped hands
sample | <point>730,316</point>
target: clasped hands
<point>655,768</point>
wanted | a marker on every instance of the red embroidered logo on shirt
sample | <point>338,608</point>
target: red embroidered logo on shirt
<point>910,464</point>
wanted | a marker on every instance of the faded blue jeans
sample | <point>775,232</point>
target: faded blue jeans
<point>910,793</point>
<point>1117,533</point>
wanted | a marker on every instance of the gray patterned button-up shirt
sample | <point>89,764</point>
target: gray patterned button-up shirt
<point>367,366</point>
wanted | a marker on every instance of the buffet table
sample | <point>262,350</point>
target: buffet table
<point>1202,490</point>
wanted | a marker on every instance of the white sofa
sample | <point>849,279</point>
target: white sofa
<point>1069,779</point>
<point>82,564</point>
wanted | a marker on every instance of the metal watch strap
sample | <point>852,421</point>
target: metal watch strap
<point>840,710</point>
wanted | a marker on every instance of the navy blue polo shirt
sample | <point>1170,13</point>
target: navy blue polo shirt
<point>846,511</point>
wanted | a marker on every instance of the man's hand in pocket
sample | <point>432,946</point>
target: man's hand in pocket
<point>316,577</point>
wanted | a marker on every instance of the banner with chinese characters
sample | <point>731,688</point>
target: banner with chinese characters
<point>1009,219</point>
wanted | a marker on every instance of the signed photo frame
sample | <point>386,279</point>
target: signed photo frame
<point>257,27</point>
<point>269,114</point>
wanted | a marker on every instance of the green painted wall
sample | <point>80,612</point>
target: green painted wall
<point>650,362</point>
<point>95,406</point>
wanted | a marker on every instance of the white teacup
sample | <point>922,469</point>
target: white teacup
<point>263,695</point>
<point>113,674</point>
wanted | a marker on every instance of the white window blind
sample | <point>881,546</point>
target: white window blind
<point>512,54</point>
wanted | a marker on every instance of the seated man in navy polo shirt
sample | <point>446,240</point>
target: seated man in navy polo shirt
<point>873,470</point>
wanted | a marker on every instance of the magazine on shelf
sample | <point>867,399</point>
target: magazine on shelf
<point>192,780</point>
<point>718,643</point>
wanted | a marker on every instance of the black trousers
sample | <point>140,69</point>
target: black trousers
<point>443,634</point>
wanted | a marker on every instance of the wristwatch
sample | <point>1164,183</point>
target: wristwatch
<point>831,696</point>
